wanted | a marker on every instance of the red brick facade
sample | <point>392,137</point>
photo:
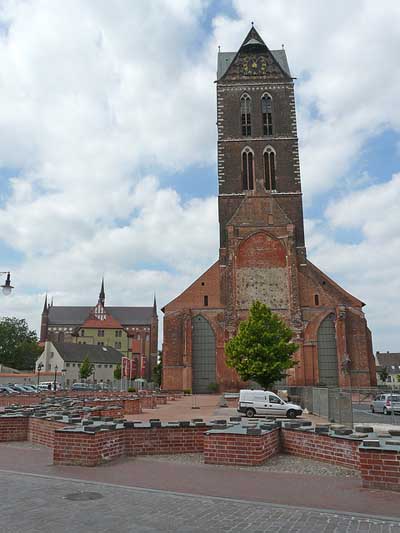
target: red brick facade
<point>262,253</point>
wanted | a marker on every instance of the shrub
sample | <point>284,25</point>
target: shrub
<point>131,389</point>
<point>213,387</point>
<point>187,391</point>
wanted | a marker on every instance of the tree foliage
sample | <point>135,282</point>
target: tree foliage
<point>117,372</point>
<point>261,350</point>
<point>384,374</point>
<point>86,369</point>
<point>18,344</point>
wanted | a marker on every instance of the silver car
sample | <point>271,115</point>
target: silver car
<point>385,403</point>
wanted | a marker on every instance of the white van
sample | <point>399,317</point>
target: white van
<point>48,385</point>
<point>262,402</point>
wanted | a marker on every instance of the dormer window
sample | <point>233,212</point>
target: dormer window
<point>266,109</point>
<point>245,114</point>
<point>269,168</point>
<point>248,169</point>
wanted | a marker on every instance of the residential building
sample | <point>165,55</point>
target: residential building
<point>391,362</point>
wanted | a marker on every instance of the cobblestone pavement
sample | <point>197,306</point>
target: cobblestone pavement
<point>279,463</point>
<point>35,504</point>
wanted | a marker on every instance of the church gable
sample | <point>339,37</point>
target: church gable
<point>254,61</point>
<point>255,211</point>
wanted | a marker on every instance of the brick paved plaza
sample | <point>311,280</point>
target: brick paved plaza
<point>42,504</point>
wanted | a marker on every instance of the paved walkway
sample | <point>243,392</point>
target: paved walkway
<point>336,493</point>
<point>32,504</point>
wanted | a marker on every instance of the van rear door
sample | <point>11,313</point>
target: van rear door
<point>260,403</point>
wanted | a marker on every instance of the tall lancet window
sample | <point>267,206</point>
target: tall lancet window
<point>245,114</point>
<point>266,108</point>
<point>270,168</point>
<point>248,169</point>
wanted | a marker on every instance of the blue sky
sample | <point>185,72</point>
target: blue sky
<point>108,154</point>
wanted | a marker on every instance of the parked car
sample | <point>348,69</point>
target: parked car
<point>261,402</point>
<point>24,389</point>
<point>81,386</point>
<point>385,403</point>
<point>4,389</point>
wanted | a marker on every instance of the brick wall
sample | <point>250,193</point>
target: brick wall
<point>13,428</point>
<point>132,406</point>
<point>240,449</point>
<point>164,440</point>
<point>88,449</point>
<point>380,469</point>
<point>42,431</point>
<point>343,452</point>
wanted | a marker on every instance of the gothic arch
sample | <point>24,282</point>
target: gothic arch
<point>327,352</point>
<point>204,359</point>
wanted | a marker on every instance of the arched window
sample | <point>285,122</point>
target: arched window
<point>248,169</point>
<point>245,114</point>
<point>266,109</point>
<point>269,168</point>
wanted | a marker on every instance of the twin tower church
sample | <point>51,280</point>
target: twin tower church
<point>262,253</point>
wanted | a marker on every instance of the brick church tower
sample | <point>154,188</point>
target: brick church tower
<point>262,253</point>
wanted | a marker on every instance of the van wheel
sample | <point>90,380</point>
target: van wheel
<point>385,411</point>
<point>291,413</point>
<point>250,413</point>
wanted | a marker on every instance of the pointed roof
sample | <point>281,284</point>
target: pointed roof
<point>102,295</point>
<point>108,323</point>
<point>252,43</point>
<point>45,305</point>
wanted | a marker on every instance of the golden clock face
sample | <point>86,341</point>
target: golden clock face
<point>252,66</point>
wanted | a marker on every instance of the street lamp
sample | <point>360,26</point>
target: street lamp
<point>55,378</point>
<point>39,368</point>
<point>7,287</point>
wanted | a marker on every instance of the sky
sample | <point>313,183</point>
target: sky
<point>108,145</point>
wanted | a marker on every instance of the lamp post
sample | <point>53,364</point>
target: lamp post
<point>55,378</point>
<point>39,368</point>
<point>7,287</point>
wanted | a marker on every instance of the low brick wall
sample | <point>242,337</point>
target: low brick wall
<point>334,450</point>
<point>41,431</point>
<point>13,428</point>
<point>240,449</point>
<point>88,449</point>
<point>165,440</point>
<point>148,402</point>
<point>21,399</point>
<point>380,469</point>
<point>132,406</point>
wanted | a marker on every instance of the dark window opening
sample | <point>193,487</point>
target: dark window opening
<point>205,301</point>
<point>316,299</point>
<point>269,170</point>
<point>247,170</point>
<point>202,283</point>
<point>266,108</point>
<point>245,114</point>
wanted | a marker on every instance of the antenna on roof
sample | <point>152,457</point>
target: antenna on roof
<point>252,24</point>
<point>283,47</point>
<point>219,48</point>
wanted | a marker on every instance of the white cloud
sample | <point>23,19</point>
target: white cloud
<point>369,268</point>
<point>98,97</point>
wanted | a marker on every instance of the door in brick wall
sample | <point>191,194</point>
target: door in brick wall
<point>327,353</point>
<point>203,355</point>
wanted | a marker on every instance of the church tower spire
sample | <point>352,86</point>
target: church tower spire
<point>102,295</point>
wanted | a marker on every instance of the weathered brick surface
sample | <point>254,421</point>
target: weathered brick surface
<point>85,449</point>
<point>338,451</point>
<point>13,429</point>
<point>42,431</point>
<point>165,440</point>
<point>239,449</point>
<point>380,469</point>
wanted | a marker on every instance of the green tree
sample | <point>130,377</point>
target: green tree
<point>157,370</point>
<point>262,349</point>
<point>384,374</point>
<point>18,344</point>
<point>117,372</point>
<point>86,369</point>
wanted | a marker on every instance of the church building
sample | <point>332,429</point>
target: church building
<point>133,331</point>
<point>262,254</point>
